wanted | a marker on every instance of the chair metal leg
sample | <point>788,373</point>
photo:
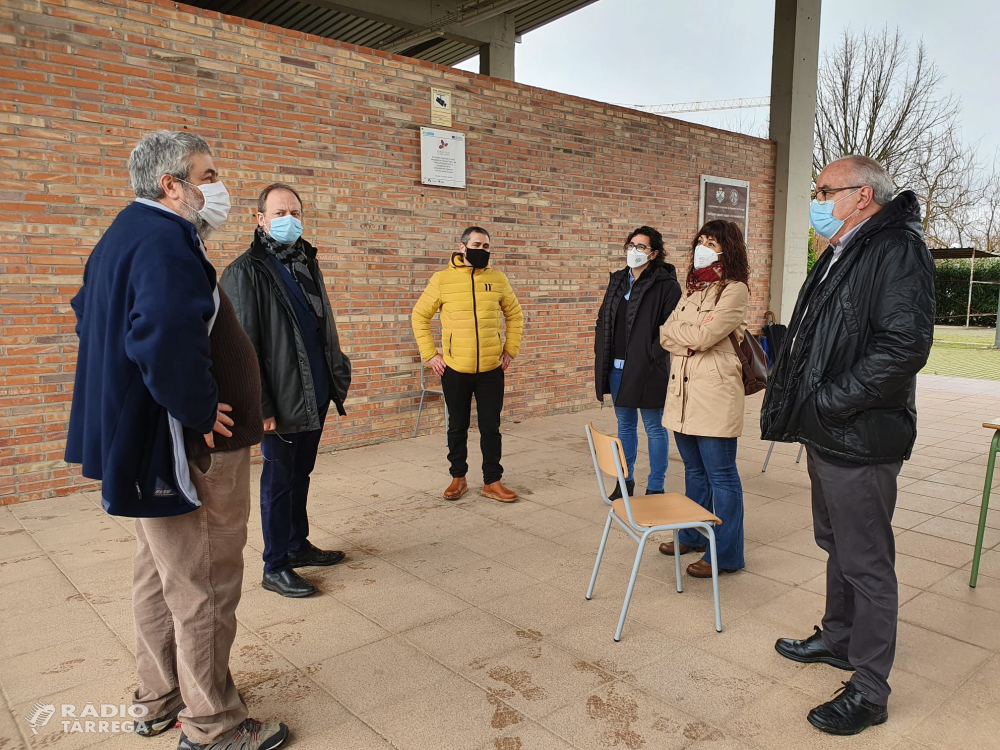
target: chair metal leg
<point>631,585</point>
<point>767,459</point>
<point>798,460</point>
<point>677,560</point>
<point>715,580</point>
<point>600,554</point>
<point>990,464</point>
<point>420,410</point>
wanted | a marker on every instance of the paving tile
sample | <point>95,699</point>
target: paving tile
<point>986,593</point>
<point>801,542</point>
<point>777,719</point>
<point>526,735</point>
<point>377,674</point>
<point>17,545</point>
<point>926,504</point>
<point>592,639</point>
<point>797,610</point>
<point>701,684</point>
<point>947,616</point>
<point>113,689</point>
<point>971,713</point>
<point>10,735</point>
<point>461,716</point>
<point>307,639</point>
<point>918,572</point>
<point>300,703</point>
<point>936,657</point>
<point>537,678</point>
<point>541,608</point>
<point>958,531</point>
<point>32,594</point>
<point>37,674</point>
<point>749,642</point>
<point>472,635</point>
<point>781,565</point>
<point>618,715</point>
<point>252,661</point>
<point>933,548</point>
<point>42,629</point>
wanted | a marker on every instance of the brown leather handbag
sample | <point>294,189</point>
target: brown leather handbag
<point>754,362</point>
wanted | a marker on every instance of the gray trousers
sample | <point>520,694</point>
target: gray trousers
<point>852,508</point>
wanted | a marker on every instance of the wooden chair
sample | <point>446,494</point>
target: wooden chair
<point>641,516</point>
<point>990,464</point>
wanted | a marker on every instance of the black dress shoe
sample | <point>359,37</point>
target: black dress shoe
<point>811,650</point>
<point>848,713</point>
<point>653,492</point>
<point>310,556</point>
<point>629,485</point>
<point>288,583</point>
<point>159,725</point>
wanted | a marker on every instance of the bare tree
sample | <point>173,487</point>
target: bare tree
<point>947,177</point>
<point>877,99</point>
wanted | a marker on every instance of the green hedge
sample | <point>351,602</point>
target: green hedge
<point>952,292</point>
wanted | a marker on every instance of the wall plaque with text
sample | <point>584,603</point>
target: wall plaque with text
<point>442,158</point>
<point>723,198</point>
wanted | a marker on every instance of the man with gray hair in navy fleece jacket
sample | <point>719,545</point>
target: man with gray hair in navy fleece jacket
<point>165,409</point>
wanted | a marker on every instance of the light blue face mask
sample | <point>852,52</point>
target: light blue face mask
<point>822,219</point>
<point>285,229</point>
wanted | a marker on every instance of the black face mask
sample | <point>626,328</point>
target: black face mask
<point>477,257</point>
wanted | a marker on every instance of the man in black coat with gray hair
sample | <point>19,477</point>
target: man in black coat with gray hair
<point>844,385</point>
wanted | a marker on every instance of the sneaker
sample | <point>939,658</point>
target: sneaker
<point>153,727</point>
<point>250,735</point>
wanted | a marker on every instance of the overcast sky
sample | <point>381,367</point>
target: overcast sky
<point>657,52</point>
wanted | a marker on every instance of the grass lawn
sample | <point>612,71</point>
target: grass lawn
<point>963,335</point>
<point>963,361</point>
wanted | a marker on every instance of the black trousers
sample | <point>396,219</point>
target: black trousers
<point>852,520</point>
<point>459,388</point>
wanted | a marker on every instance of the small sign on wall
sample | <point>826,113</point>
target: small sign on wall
<point>441,108</point>
<point>723,198</point>
<point>442,158</point>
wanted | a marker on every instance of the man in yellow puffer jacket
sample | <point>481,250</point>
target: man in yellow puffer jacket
<point>472,297</point>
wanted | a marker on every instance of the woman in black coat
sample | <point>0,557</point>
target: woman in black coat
<point>629,362</point>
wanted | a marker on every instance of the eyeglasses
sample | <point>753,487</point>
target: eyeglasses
<point>824,193</point>
<point>640,248</point>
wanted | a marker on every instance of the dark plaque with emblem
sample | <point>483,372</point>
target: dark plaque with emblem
<point>725,199</point>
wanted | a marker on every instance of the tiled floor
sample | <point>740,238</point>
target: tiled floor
<point>463,625</point>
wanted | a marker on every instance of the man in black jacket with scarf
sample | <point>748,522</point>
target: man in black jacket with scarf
<point>280,299</point>
<point>844,385</point>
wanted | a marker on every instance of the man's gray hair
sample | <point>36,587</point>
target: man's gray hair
<point>869,172</point>
<point>162,152</point>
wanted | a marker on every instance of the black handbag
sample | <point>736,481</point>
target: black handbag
<point>774,334</point>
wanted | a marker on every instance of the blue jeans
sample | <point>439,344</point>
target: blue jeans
<point>711,479</point>
<point>284,488</point>
<point>628,432</point>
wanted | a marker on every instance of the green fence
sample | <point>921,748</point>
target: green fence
<point>952,292</point>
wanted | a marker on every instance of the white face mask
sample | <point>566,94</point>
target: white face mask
<point>636,259</point>
<point>216,208</point>
<point>704,257</point>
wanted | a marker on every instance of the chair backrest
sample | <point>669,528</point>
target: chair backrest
<point>609,458</point>
<point>605,447</point>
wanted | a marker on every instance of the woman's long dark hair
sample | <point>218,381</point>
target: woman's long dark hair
<point>655,243</point>
<point>735,262</point>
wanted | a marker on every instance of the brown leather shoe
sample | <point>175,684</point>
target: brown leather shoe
<point>702,569</point>
<point>498,492</point>
<point>667,548</point>
<point>456,489</point>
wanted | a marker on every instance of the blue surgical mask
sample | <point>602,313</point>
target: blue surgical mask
<point>822,219</point>
<point>285,229</point>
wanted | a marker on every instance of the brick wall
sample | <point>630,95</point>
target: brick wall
<point>560,181</point>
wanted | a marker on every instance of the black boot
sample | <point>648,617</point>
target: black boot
<point>848,713</point>
<point>652,492</point>
<point>314,556</point>
<point>288,583</point>
<point>629,484</point>
<point>811,650</point>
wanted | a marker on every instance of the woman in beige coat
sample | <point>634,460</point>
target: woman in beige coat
<point>705,395</point>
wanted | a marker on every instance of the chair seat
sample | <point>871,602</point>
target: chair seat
<point>993,424</point>
<point>663,510</point>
